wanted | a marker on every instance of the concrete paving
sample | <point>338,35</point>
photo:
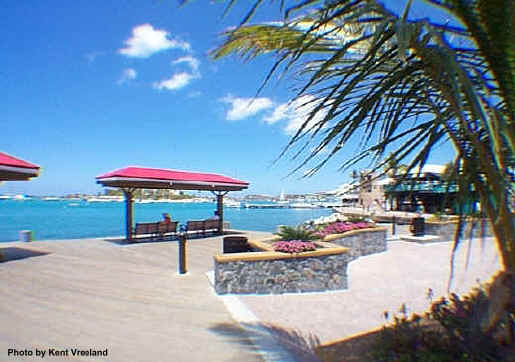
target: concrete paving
<point>97,294</point>
<point>128,299</point>
<point>378,283</point>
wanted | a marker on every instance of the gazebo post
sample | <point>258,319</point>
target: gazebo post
<point>220,210</point>
<point>129,195</point>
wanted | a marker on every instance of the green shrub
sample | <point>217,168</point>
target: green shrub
<point>450,331</point>
<point>357,218</point>
<point>296,233</point>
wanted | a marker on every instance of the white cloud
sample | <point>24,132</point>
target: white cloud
<point>177,81</point>
<point>242,108</point>
<point>127,75</point>
<point>146,41</point>
<point>193,62</point>
<point>295,113</point>
<point>280,112</point>
<point>181,79</point>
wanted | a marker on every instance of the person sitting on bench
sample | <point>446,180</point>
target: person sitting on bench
<point>166,218</point>
<point>215,217</point>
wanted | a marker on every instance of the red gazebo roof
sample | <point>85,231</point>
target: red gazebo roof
<point>15,169</point>
<point>144,177</point>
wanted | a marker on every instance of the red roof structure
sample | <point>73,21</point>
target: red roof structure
<point>134,177</point>
<point>15,169</point>
<point>154,178</point>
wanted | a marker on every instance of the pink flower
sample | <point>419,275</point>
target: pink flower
<point>294,246</point>
<point>341,227</point>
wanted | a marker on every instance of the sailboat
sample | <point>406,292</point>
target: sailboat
<point>282,199</point>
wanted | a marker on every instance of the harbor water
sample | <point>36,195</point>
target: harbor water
<point>67,219</point>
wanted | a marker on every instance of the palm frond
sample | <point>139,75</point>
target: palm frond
<point>401,86</point>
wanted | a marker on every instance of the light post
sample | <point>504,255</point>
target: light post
<point>182,253</point>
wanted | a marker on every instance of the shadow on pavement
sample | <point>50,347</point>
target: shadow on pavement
<point>191,237</point>
<point>14,253</point>
<point>276,343</point>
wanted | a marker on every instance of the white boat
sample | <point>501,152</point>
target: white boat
<point>51,198</point>
<point>19,197</point>
<point>282,202</point>
<point>302,205</point>
<point>94,199</point>
<point>4,197</point>
<point>105,199</point>
<point>232,203</point>
<point>266,206</point>
<point>329,204</point>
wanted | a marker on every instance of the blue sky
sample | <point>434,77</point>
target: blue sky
<point>91,86</point>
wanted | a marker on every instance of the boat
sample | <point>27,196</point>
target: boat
<point>282,199</point>
<point>105,199</point>
<point>266,206</point>
<point>4,197</point>
<point>145,201</point>
<point>232,203</point>
<point>303,205</point>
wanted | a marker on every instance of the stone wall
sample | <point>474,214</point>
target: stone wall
<point>274,275</point>
<point>361,242</point>
<point>265,271</point>
<point>446,230</point>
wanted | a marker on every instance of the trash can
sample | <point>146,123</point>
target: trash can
<point>26,236</point>
<point>235,244</point>
<point>418,226</point>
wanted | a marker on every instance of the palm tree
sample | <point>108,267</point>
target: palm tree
<point>391,80</point>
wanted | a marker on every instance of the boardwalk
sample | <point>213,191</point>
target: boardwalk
<point>128,299</point>
<point>97,294</point>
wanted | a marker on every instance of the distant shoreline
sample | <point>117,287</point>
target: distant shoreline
<point>75,219</point>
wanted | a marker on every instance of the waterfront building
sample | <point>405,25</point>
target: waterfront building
<point>425,190</point>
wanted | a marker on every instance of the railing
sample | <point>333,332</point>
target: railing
<point>425,186</point>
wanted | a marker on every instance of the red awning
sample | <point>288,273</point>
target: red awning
<point>143,177</point>
<point>15,169</point>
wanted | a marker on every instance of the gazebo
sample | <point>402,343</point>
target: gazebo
<point>130,178</point>
<point>15,169</point>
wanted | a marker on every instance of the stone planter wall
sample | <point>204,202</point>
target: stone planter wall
<point>361,242</point>
<point>268,272</point>
<point>289,275</point>
<point>446,230</point>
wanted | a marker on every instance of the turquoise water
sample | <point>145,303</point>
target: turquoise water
<point>80,219</point>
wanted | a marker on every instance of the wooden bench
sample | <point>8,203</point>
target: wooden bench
<point>153,230</point>
<point>147,230</point>
<point>167,228</point>
<point>211,225</point>
<point>201,226</point>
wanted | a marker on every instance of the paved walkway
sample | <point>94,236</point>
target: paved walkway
<point>93,293</point>
<point>378,283</point>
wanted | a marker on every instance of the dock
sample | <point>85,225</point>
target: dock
<point>266,206</point>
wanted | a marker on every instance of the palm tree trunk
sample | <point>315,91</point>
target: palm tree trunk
<point>502,289</point>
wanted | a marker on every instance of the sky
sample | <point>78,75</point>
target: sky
<point>90,86</point>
